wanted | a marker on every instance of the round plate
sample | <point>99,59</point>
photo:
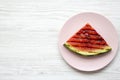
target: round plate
<point>103,26</point>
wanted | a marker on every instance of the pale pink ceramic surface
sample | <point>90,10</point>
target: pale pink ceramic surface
<point>103,26</point>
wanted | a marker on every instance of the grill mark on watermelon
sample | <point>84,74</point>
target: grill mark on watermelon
<point>78,44</point>
<point>78,40</point>
<point>95,37</point>
<point>87,45</point>
<point>95,46</point>
<point>87,35</point>
<point>93,32</point>
<point>100,42</point>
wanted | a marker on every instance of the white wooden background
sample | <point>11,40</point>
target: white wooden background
<point>29,34</point>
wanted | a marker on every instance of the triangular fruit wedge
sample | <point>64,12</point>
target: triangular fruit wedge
<point>87,42</point>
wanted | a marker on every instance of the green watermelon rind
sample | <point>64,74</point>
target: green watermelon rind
<point>85,53</point>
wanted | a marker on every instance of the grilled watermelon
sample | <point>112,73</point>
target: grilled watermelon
<point>87,42</point>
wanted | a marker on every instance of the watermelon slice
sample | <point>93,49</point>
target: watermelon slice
<point>87,42</point>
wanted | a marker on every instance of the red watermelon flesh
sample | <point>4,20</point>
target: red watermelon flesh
<point>87,42</point>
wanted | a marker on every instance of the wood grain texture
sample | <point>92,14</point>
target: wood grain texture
<point>29,33</point>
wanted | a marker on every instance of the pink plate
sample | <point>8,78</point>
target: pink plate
<point>103,26</point>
